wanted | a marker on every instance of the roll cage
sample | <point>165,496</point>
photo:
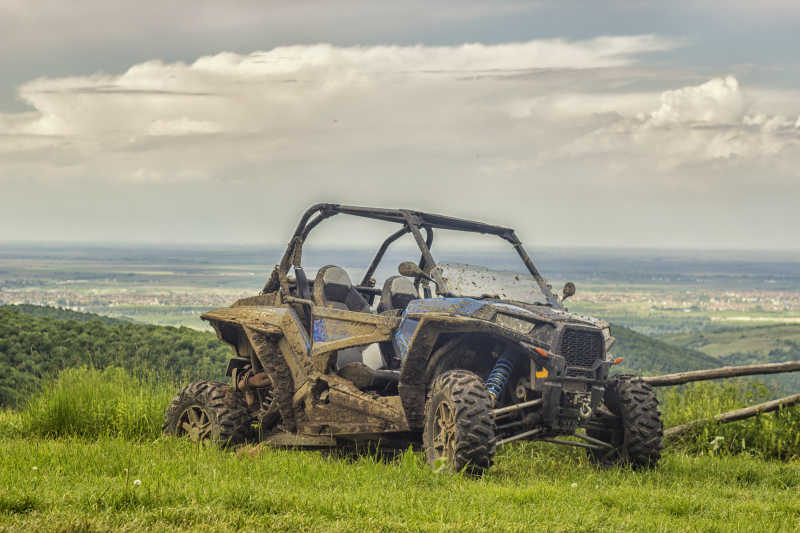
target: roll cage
<point>414,222</point>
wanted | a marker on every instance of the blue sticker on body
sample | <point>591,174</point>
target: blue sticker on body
<point>320,331</point>
<point>326,330</point>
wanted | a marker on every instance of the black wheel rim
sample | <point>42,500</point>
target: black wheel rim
<point>195,423</point>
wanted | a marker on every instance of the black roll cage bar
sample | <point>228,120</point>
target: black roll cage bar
<point>413,222</point>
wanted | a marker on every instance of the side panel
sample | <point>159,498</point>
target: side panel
<point>335,329</point>
<point>450,306</point>
<point>333,406</point>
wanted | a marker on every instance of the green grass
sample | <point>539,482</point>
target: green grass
<point>76,485</point>
<point>771,435</point>
<point>107,425</point>
<point>93,403</point>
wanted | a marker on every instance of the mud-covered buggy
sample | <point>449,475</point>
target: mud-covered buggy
<point>459,359</point>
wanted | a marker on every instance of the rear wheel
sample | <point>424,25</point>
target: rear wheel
<point>459,428</point>
<point>636,430</point>
<point>208,411</point>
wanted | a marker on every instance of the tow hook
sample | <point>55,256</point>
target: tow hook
<point>585,407</point>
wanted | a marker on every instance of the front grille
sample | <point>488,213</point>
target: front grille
<point>581,348</point>
<point>573,372</point>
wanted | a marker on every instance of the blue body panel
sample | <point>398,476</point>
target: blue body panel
<point>408,326</point>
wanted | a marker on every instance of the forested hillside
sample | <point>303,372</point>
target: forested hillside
<point>36,347</point>
<point>62,314</point>
<point>645,355</point>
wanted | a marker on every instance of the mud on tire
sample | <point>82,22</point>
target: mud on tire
<point>459,427</point>
<point>208,411</point>
<point>637,431</point>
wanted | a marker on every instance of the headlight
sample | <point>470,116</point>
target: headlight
<point>514,324</point>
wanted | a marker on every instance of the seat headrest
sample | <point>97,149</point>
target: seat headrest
<point>333,288</point>
<point>397,292</point>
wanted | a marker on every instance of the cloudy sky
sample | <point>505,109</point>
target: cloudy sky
<point>620,123</point>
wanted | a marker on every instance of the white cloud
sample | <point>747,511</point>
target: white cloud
<point>182,126</point>
<point>552,126</point>
<point>716,101</point>
<point>520,106</point>
<point>692,125</point>
<point>297,101</point>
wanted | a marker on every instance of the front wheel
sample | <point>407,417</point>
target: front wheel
<point>459,428</point>
<point>636,431</point>
<point>208,411</point>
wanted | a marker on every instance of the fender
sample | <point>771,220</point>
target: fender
<point>422,331</point>
<point>281,323</point>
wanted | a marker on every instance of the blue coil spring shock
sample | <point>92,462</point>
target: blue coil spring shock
<point>498,378</point>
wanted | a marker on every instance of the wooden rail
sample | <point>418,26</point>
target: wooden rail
<point>728,372</point>
<point>738,414</point>
<point>721,372</point>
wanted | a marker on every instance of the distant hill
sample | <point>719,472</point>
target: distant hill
<point>745,345</point>
<point>645,355</point>
<point>772,343</point>
<point>63,314</point>
<point>36,347</point>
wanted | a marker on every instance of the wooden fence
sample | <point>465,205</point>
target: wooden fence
<point>728,372</point>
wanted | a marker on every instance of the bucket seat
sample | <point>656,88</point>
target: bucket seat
<point>333,288</point>
<point>397,292</point>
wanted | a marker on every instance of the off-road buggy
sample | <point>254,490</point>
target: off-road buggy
<point>442,355</point>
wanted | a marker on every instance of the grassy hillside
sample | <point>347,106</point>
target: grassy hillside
<point>37,347</point>
<point>645,355</point>
<point>85,455</point>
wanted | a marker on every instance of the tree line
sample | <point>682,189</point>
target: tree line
<point>33,348</point>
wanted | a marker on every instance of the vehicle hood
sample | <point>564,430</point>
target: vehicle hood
<point>488,309</point>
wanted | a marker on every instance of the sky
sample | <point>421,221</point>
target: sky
<point>619,123</point>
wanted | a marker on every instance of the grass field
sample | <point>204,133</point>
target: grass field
<point>86,455</point>
<point>77,485</point>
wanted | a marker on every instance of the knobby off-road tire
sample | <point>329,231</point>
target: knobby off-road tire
<point>637,432</point>
<point>459,427</point>
<point>208,411</point>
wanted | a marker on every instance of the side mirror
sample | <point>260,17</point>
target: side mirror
<point>569,290</point>
<point>411,269</point>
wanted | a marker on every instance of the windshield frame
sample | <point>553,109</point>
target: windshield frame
<point>412,222</point>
